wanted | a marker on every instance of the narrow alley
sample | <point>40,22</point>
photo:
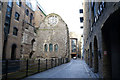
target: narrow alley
<point>74,69</point>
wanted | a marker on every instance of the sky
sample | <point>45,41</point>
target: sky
<point>67,9</point>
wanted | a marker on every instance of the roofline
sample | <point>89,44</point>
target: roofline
<point>41,9</point>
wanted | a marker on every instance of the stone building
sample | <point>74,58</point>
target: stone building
<point>53,38</point>
<point>29,29</point>
<point>18,23</point>
<point>102,38</point>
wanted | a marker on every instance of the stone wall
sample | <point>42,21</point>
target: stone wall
<point>57,34</point>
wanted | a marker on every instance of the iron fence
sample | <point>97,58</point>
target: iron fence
<point>18,69</point>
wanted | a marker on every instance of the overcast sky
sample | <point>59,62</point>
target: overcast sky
<point>67,9</point>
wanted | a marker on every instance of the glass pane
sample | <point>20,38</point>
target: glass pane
<point>8,11</point>
<point>10,3</point>
<point>17,16</point>
<point>50,47</point>
<point>18,2</point>
<point>73,45</point>
<point>56,47</point>
<point>46,48</point>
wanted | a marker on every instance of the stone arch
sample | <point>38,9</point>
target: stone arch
<point>111,46</point>
<point>95,55</point>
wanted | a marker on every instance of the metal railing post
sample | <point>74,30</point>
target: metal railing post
<point>55,62</point>
<point>6,70</point>
<point>46,64</point>
<point>39,65</point>
<point>27,67</point>
<point>51,63</point>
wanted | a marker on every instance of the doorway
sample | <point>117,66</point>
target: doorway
<point>111,46</point>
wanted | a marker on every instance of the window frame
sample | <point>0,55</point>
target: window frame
<point>19,3</point>
<point>17,16</point>
<point>56,47</point>
<point>27,12</point>
<point>50,46</point>
<point>31,17</point>
<point>45,48</point>
<point>81,19</point>
<point>15,31</point>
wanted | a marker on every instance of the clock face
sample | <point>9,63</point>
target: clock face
<point>52,20</point>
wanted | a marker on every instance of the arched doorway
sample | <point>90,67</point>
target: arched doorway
<point>111,46</point>
<point>13,52</point>
<point>90,55</point>
<point>95,55</point>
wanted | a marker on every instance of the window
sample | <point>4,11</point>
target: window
<point>45,47</point>
<point>50,47</point>
<point>17,15</point>
<point>81,27</point>
<point>27,12</point>
<point>31,17</point>
<point>8,13</point>
<point>56,48</point>
<point>81,19</point>
<point>15,31</point>
<point>81,10</point>
<point>10,3</point>
<point>18,2</point>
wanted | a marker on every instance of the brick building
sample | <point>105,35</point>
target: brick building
<point>101,38</point>
<point>53,38</point>
<point>29,30</point>
<point>18,23</point>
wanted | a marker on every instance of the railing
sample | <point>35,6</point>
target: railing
<point>18,69</point>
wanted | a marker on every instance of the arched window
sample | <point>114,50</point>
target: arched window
<point>50,47</point>
<point>32,43</point>
<point>56,48</point>
<point>15,31</point>
<point>31,17</point>
<point>27,12</point>
<point>13,52</point>
<point>18,2</point>
<point>30,56</point>
<point>45,47</point>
